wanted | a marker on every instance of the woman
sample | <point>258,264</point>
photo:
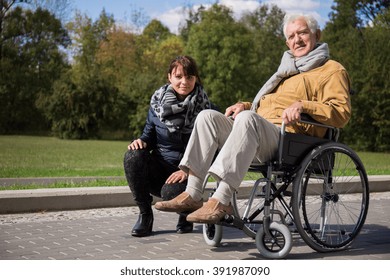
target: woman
<point>151,162</point>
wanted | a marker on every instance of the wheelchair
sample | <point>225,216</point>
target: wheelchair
<point>316,187</point>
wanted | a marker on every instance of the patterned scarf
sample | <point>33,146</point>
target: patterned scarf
<point>179,115</point>
<point>290,66</point>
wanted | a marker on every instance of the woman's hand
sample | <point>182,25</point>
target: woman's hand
<point>137,144</point>
<point>177,177</point>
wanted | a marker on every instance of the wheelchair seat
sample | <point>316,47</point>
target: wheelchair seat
<point>293,147</point>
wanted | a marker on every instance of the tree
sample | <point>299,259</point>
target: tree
<point>87,37</point>
<point>118,57</point>
<point>235,57</point>
<point>265,25</point>
<point>31,60</point>
<point>155,48</point>
<point>221,46</point>
<point>376,90</point>
<point>61,9</point>
<point>83,99</point>
<point>5,7</point>
<point>369,10</point>
<point>79,110</point>
<point>364,51</point>
<point>193,17</point>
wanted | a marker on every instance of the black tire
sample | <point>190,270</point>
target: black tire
<point>330,197</point>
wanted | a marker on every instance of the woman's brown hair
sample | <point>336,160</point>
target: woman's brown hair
<point>189,66</point>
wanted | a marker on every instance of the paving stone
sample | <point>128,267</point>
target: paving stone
<point>104,234</point>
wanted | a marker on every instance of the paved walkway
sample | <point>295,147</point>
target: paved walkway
<point>60,199</point>
<point>104,234</point>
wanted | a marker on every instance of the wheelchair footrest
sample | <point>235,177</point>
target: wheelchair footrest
<point>231,220</point>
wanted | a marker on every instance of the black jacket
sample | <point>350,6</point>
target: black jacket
<point>166,145</point>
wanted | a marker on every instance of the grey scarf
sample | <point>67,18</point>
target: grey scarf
<point>290,66</point>
<point>179,115</point>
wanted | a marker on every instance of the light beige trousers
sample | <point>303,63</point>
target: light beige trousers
<point>240,142</point>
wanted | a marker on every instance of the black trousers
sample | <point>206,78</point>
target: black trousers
<point>146,175</point>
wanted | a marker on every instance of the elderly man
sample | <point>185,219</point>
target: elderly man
<point>307,81</point>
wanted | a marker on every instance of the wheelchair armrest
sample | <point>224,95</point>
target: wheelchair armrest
<point>307,119</point>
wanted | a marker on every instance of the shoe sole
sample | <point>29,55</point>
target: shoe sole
<point>208,221</point>
<point>203,221</point>
<point>141,235</point>
<point>177,210</point>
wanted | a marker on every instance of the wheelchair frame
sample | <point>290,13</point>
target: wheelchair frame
<point>328,192</point>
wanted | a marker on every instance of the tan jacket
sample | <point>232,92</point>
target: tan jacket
<point>324,92</point>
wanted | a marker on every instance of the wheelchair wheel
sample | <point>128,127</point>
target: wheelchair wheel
<point>276,246</point>
<point>330,197</point>
<point>212,234</point>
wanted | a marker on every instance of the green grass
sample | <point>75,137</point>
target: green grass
<point>32,156</point>
<point>376,163</point>
<point>68,184</point>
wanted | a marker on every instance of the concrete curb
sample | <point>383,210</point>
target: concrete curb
<point>99,197</point>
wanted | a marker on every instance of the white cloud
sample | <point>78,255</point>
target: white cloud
<point>295,5</point>
<point>175,17</point>
<point>240,6</point>
<point>300,6</point>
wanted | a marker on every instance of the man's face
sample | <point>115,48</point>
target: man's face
<point>300,40</point>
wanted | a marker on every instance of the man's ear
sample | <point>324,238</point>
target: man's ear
<point>318,35</point>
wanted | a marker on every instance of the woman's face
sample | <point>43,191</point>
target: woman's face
<point>181,83</point>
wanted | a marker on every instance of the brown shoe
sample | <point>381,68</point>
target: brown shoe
<point>181,203</point>
<point>211,213</point>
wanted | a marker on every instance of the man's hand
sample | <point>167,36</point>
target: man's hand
<point>178,176</point>
<point>137,144</point>
<point>234,110</point>
<point>292,114</point>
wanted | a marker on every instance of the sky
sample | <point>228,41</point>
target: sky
<point>170,12</point>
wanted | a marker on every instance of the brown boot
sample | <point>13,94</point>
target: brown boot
<point>211,213</point>
<point>181,203</point>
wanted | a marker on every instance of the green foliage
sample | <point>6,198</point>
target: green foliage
<point>265,25</point>
<point>30,61</point>
<point>83,100</point>
<point>155,48</point>
<point>219,45</point>
<point>229,52</point>
<point>365,52</point>
<point>106,88</point>
<point>80,110</point>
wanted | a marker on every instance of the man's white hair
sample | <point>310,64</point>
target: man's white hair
<point>310,20</point>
